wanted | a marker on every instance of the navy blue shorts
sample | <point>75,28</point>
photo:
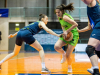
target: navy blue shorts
<point>26,36</point>
<point>95,34</point>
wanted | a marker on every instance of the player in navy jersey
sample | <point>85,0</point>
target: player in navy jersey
<point>26,34</point>
<point>93,47</point>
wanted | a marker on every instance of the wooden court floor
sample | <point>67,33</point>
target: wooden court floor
<point>29,64</point>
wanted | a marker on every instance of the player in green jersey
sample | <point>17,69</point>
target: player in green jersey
<point>68,25</point>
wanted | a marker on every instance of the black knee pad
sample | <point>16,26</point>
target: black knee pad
<point>98,53</point>
<point>90,50</point>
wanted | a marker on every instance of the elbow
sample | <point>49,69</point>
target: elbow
<point>89,28</point>
<point>75,25</point>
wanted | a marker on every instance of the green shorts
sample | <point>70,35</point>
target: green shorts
<point>73,42</point>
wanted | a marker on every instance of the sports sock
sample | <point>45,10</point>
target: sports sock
<point>43,64</point>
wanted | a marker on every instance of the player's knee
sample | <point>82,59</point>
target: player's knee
<point>56,47</point>
<point>40,48</point>
<point>90,50</point>
<point>67,56</point>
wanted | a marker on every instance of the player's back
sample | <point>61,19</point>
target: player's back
<point>94,14</point>
<point>33,27</point>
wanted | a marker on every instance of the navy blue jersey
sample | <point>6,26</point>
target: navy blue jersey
<point>94,15</point>
<point>33,27</point>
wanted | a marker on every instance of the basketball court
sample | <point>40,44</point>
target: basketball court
<point>16,14</point>
<point>29,64</point>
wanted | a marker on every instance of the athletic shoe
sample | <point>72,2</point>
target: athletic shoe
<point>90,70</point>
<point>96,72</point>
<point>69,69</point>
<point>63,58</point>
<point>45,70</point>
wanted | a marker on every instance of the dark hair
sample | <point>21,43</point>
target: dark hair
<point>41,16</point>
<point>63,7</point>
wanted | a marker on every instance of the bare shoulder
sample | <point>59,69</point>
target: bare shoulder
<point>40,24</point>
<point>93,3</point>
<point>65,17</point>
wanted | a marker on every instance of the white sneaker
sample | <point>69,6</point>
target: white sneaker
<point>63,58</point>
<point>69,74</point>
<point>69,69</point>
<point>45,70</point>
<point>90,70</point>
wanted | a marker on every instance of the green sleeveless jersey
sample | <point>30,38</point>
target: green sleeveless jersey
<point>67,25</point>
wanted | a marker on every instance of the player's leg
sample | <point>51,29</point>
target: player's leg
<point>90,50</point>
<point>71,46</point>
<point>14,53</point>
<point>39,48</point>
<point>9,56</point>
<point>98,54</point>
<point>68,56</point>
<point>29,39</point>
<point>16,49</point>
<point>58,47</point>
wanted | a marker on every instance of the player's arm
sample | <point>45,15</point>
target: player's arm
<point>47,29</point>
<point>62,28</point>
<point>86,28</point>
<point>12,35</point>
<point>74,24</point>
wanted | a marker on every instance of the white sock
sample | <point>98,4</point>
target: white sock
<point>1,61</point>
<point>43,64</point>
<point>95,67</point>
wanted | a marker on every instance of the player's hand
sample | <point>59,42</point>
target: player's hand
<point>10,36</point>
<point>65,34</point>
<point>60,35</point>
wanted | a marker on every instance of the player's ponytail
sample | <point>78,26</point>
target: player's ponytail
<point>41,16</point>
<point>63,7</point>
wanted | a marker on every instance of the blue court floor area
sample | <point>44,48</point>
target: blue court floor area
<point>51,74</point>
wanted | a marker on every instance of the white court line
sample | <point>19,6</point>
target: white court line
<point>80,57</point>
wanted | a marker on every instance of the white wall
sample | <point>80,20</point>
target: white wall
<point>80,47</point>
<point>4,36</point>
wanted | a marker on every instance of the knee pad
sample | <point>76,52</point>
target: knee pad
<point>90,50</point>
<point>98,53</point>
